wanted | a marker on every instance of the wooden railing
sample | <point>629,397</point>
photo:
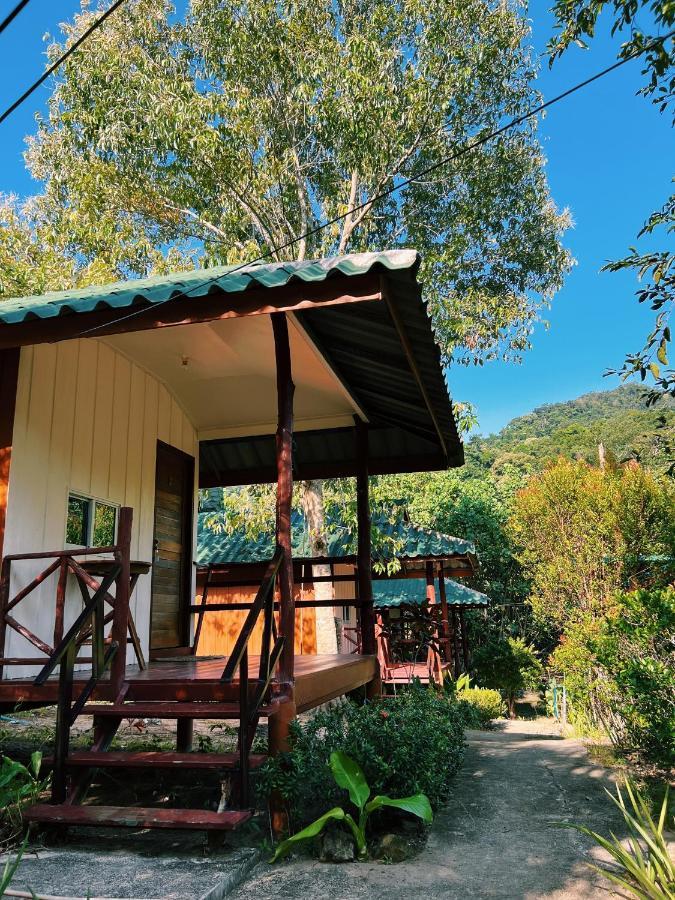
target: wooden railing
<point>65,656</point>
<point>65,562</point>
<point>270,651</point>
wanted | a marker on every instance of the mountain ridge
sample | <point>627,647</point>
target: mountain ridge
<point>617,418</point>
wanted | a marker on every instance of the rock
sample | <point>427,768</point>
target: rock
<point>336,846</point>
<point>393,848</point>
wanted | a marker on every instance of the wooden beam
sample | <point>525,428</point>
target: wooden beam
<point>364,552</point>
<point>284,461</point>
<point>189,310</point>
<point>445,624</point>
<point>9,376</point>
<point>412,362</point>
<point>395,465</point>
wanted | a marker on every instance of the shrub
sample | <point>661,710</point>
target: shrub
<point>482,705</point>
<point>509,665</point>
<point>411,743</point>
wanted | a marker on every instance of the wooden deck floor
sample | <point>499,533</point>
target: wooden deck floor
<point>317,679</point>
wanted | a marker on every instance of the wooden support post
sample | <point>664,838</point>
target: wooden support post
<point>434,657</point>
<point>465,640</point>
<point>445,624</point>
<point>278,726</point>
<point>455,643</point>
<point>120,622</point>
<point>184,735</point>
<point>284,454</point>
<point>364,561</point>
<point>364,553</point>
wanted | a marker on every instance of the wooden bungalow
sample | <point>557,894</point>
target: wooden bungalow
<point>422,635</point>
<point>230,564</point>
<point>116,404</point>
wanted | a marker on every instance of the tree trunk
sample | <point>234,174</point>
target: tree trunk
<point>312,507</point>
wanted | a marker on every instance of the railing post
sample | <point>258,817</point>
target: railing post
<point>4,600</point>
<point>60,601</point>
<point>63,723</point>
<point>243,732</point>
<point>120,622</point>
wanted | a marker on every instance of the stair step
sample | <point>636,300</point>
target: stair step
<point>136,817</point>
<point>161,710</point>
<point>157,759</point>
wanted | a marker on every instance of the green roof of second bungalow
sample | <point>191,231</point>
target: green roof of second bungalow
<point>216,546</point>
<point>388,592</point>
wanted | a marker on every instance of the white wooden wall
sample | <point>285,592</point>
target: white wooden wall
<point>87,420</point>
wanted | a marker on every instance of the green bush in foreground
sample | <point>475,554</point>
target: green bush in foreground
<point>481,706</point>
<point>350,778</point>
<point>411,743</point>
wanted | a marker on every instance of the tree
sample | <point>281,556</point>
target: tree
<point>583,534</point>
<point>232,131</point>
<point>508,665</point>
<point>576,22</point>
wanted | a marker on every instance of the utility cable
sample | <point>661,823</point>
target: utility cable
<point>9,18</point>
<point>64,56</point>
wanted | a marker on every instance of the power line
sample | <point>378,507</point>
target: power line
<point>64,56</point>
<point>534,111</point>
<point>9,18</point>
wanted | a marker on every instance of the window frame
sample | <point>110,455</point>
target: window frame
<point>92,502</point>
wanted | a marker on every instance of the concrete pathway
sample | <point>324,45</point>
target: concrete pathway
<point>493,839</point>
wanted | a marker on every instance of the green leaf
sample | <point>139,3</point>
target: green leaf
<point>35,762</point>
<point>418,805</point>
<point>337,813</point>
<point>349,775</point>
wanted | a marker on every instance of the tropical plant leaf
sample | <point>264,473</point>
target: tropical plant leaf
<point>418,805</point>
<point>349,775</point>
<point>337,813</point>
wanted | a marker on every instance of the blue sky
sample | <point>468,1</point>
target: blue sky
<point>610,158</point>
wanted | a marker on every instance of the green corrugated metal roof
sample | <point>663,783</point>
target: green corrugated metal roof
<point>397,591</point>
<point>217,547</point>
<point>198,283</point>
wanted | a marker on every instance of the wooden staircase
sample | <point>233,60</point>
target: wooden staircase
<point>247,701</point>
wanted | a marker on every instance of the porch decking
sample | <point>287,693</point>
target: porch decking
<point>193,679</point>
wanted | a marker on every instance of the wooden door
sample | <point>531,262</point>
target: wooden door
<point>172,563</point>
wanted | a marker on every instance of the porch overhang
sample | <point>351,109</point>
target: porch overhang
<point>361,316</point>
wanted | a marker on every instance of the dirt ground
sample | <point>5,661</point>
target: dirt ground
<point>495,838</point>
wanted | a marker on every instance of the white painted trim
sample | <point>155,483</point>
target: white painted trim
<point>261,428</point>
<point>346,393</point>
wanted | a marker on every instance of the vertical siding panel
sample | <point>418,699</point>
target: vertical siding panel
<point>146,514</point>
<point>20,461</point>
<point>176,428</point>
<point>40,429</point>
<point>119,439</point>
<point>63,421</point>
<point>103,413</point>
<point>134,473</point>
<point>85,399</point>
<point>164,415</point>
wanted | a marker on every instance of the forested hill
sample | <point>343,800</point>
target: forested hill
<point>618,419</point>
